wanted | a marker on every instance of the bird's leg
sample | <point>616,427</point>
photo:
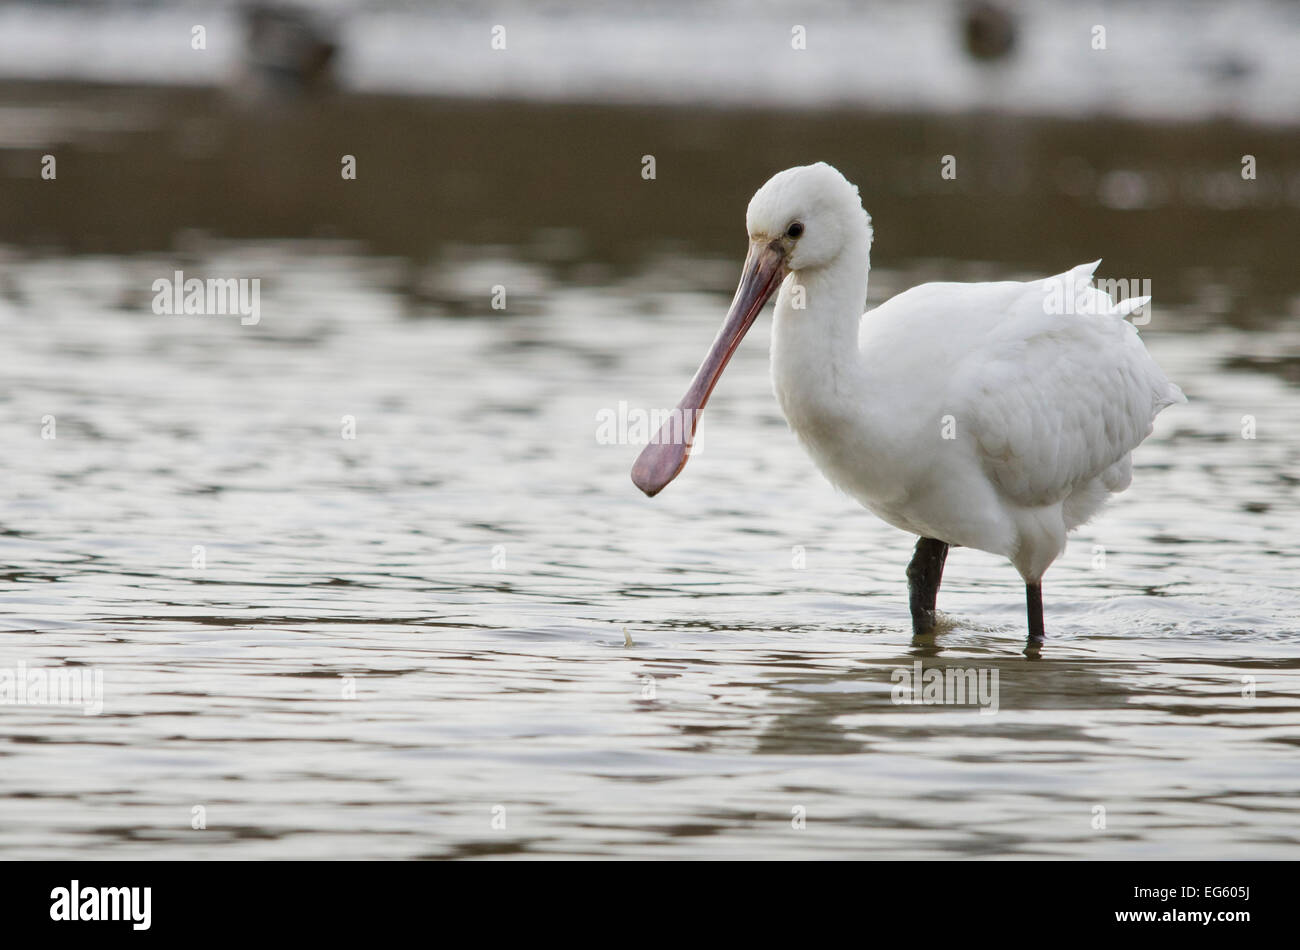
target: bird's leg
<point>1034,606</point>
<point>923,576</point>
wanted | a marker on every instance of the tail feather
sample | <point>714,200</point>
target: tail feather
<point>1131,305</point>
<point>1173,396</point>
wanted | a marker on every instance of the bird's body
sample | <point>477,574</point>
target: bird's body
<point>996,416</point>
<point>966,413</point>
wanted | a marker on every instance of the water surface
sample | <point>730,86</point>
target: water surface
<point>529,638</point>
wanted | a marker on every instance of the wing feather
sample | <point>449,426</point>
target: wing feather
<point>1054,400</point>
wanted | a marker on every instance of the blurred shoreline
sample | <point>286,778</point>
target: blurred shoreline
<point>148,168</point>
<point>1154,60</point>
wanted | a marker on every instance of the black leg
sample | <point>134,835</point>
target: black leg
<point>923,576</point>
<point>1034,607</point>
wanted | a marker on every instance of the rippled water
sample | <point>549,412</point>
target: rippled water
<point>546,663</point>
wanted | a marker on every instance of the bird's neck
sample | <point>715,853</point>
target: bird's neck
<point>816,363</point>
<point>833,396</point>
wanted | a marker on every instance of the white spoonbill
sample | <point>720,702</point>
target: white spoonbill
<point>996,416</point>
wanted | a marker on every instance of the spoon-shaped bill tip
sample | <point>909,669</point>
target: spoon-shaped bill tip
<point>670,448</point>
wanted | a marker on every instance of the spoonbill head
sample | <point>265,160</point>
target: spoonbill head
<point>997,416</point>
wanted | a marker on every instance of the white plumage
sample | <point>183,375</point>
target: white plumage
<point>997,416</point>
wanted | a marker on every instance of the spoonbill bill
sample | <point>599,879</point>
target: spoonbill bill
<point>996,416</point>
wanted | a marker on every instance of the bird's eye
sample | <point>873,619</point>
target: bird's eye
<point>794,230</point>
